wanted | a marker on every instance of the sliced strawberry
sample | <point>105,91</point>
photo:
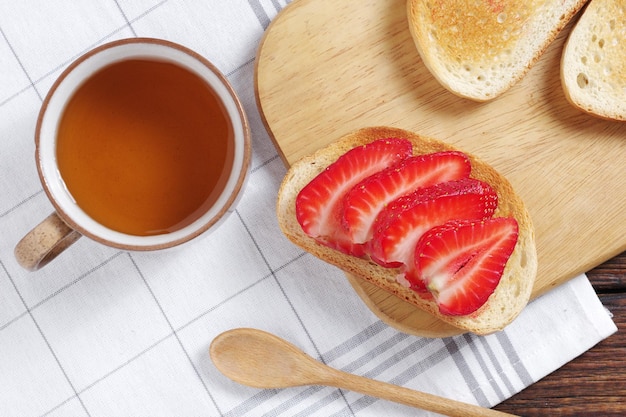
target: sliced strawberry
<point>363,203</point>
<point>400,225</point>
<point>461,262</point>
<point>319,203</point>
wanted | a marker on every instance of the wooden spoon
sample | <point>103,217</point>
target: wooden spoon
<point>258,359</point>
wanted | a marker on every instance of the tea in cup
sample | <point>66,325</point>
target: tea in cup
<point>141,144</point>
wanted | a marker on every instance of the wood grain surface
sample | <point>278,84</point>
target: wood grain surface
<point>325,68</point>
<point>593,384</point>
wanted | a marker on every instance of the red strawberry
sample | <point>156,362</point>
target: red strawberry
<point>363,203</point>
<point>319,203</point>
<point>461,262</point>
<point>400,225</point>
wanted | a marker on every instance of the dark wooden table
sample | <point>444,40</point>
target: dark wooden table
<point>593,384</point>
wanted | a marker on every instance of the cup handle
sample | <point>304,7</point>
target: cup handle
<point>44,243</point>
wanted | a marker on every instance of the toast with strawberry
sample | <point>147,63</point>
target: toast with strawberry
<point>428,223</point>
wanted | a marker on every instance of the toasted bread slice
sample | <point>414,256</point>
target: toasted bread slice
<point>593,64</point>
<point>479,49</point>
<point>513,291</point>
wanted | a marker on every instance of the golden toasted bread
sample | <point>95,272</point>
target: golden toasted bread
<point>593,64</point>
<point>479,49</point>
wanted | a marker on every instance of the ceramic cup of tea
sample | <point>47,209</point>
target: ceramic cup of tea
<point>141,144</point>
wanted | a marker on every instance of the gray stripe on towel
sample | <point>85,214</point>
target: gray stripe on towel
<point>514,358</point>
<point>468,376</point>
<point>471,341</point>
<point>256,7</point>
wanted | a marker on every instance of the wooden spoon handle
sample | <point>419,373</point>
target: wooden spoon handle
<point>406,396</point>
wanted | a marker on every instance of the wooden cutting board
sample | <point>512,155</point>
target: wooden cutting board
<point>326,67</point>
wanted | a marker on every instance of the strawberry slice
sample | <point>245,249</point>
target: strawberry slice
<point>363,203</point>
<point>319,203</point>
<point>398,228</point>
<point>461,262</point>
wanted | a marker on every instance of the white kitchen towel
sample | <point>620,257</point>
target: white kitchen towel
<point>101,332</point>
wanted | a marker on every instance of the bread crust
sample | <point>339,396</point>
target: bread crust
<point>511,295</point>
<point>480,49</point>
<point>593,63</point>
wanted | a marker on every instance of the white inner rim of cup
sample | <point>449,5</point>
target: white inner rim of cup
<point>67,87</point>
